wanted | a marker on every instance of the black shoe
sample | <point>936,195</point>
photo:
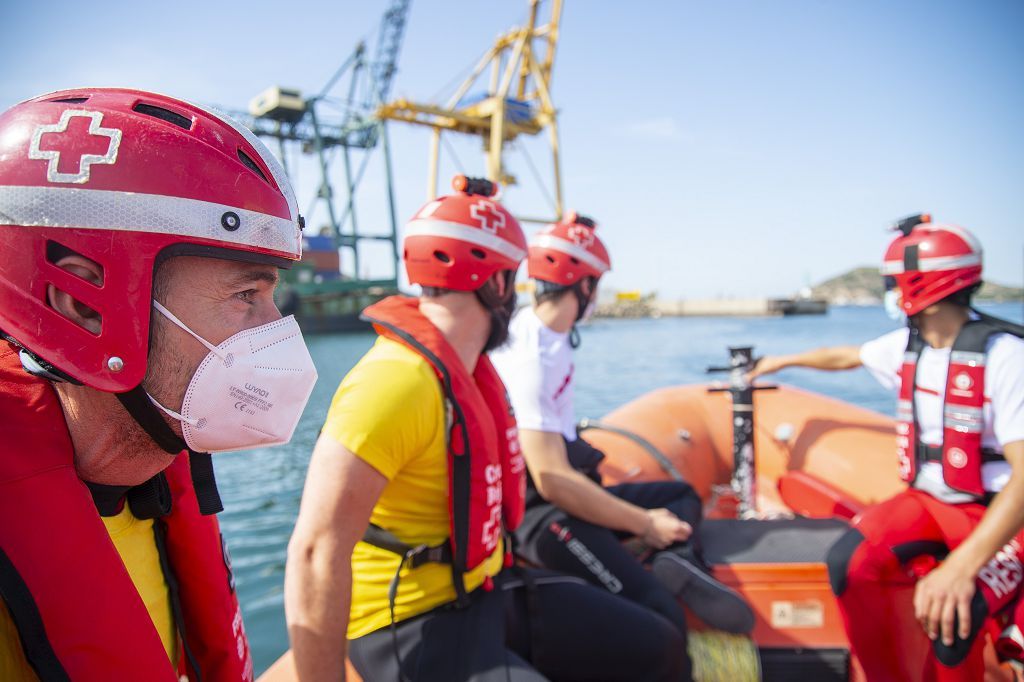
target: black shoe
<point>712,602</point>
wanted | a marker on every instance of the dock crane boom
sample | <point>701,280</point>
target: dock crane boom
<point>517,101</point>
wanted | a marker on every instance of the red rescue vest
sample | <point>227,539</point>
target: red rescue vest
<point>76,609</point>
<point>961,450</point>
<point>486,470</point>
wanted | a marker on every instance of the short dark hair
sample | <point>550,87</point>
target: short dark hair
<point>962,297</point>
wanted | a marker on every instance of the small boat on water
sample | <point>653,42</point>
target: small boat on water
<point>781,475</point>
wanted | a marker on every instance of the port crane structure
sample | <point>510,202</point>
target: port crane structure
<point>359,86</point>
<point>517,101</point>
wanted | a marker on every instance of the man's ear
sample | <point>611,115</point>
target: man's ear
<point>500,284</point>
<point>67,305</point>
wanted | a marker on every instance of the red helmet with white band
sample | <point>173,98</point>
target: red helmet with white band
<point>458,241</point>
<point>567,252</point>
<point>124,178</point>
<point>931,261</point>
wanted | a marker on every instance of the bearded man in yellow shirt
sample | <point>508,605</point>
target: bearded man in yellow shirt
<point>399,546</point>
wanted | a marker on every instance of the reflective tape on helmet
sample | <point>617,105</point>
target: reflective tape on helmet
<point>895,267</point>
<point>547,241</point>
<point>464,233</point>
<point>74,207</point>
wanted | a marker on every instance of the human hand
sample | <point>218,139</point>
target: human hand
<point>769,364</point>
<point>939,596</point>
<point>665,528</point>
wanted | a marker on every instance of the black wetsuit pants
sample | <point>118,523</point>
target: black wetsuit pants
<point>553,539</point>
<point>535,625</point>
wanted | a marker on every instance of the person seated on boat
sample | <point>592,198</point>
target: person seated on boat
<point>400,543</point>
<point>142,236</point>
<point>572,523</point>
<point>959,377</point>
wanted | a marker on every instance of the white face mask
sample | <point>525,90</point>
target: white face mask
<point>893,309</point>
<point>249,391</point>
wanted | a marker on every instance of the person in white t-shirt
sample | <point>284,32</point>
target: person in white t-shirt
<point>953,539</point>
<point>573,524</point>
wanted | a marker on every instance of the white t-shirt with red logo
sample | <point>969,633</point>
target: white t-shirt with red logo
<point>1003,413</point>
<point>536,366</point>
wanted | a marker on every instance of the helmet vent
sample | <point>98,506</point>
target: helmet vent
<point>574,260</point>
<point>251,165</point>
<point>70,100</point>
<point>55,252</point>
<point>164,115</point>
<point>478,253</point>
<point>443,257</point>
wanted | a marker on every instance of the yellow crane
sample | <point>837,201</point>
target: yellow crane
<point>517,101</point>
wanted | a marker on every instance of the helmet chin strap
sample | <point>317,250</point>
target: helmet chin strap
<point>137,403</point>
<point>582,301</point>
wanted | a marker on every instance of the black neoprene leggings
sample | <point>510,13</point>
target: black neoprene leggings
<point>535,625</point>
<point>564,543</point>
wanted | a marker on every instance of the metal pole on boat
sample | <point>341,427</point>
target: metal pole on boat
<point>744,461</point>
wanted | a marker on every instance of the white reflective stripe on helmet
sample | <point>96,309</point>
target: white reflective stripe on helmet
<point>547,241</point>
<point>443,228</point>
<point>892,267</point>
<point>99,209</point>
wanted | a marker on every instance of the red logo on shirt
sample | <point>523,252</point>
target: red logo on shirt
<point>565,383</point>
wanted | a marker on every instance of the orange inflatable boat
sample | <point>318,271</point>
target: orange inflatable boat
<point>781,474</point>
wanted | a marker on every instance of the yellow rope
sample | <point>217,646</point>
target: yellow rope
<point>721,657</point>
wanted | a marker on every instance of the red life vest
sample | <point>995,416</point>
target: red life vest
<point>961,450</point>
<point>486,470</point>
<point>76,609</point>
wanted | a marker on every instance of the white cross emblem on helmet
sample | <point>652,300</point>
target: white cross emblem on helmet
<point>581,235</point>
<point>490,218</point>
<point>85,161</point>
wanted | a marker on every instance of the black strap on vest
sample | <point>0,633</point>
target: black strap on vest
<point>160,533</point>
<point>933,453</point>
<point>152,499</point>
<point>107,498</point>
<point>205,483</point>
<point>414,557</point>
<point>29,624</point>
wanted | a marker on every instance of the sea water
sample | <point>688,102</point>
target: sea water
<point>618,360</point>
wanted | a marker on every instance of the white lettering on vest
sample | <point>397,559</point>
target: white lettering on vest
<point>1003,572</point>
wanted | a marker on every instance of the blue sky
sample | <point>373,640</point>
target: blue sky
<point>726,148</point>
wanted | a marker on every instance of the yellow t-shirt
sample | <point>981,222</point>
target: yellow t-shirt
<point>136,544</point>
<point>389,411</point>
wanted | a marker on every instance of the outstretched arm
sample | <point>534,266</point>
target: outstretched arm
<point>948,590</point>
<point>568,489</point>
<point>832,358</point>
<point>341,490</point>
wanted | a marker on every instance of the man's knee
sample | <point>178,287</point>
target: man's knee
<point>839,558</point>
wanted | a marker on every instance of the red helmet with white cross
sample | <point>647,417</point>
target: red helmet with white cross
<point>931,261</point>
<point>459,241</point>
<point>567,252</point>
<point>124,178</point>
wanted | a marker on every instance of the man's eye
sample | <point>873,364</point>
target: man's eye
<point>248,295</point>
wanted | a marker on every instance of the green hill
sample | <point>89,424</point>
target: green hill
<point>863,286</point>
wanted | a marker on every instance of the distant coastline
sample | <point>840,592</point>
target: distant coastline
<point>863,286</point>
<point>857,287</point>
